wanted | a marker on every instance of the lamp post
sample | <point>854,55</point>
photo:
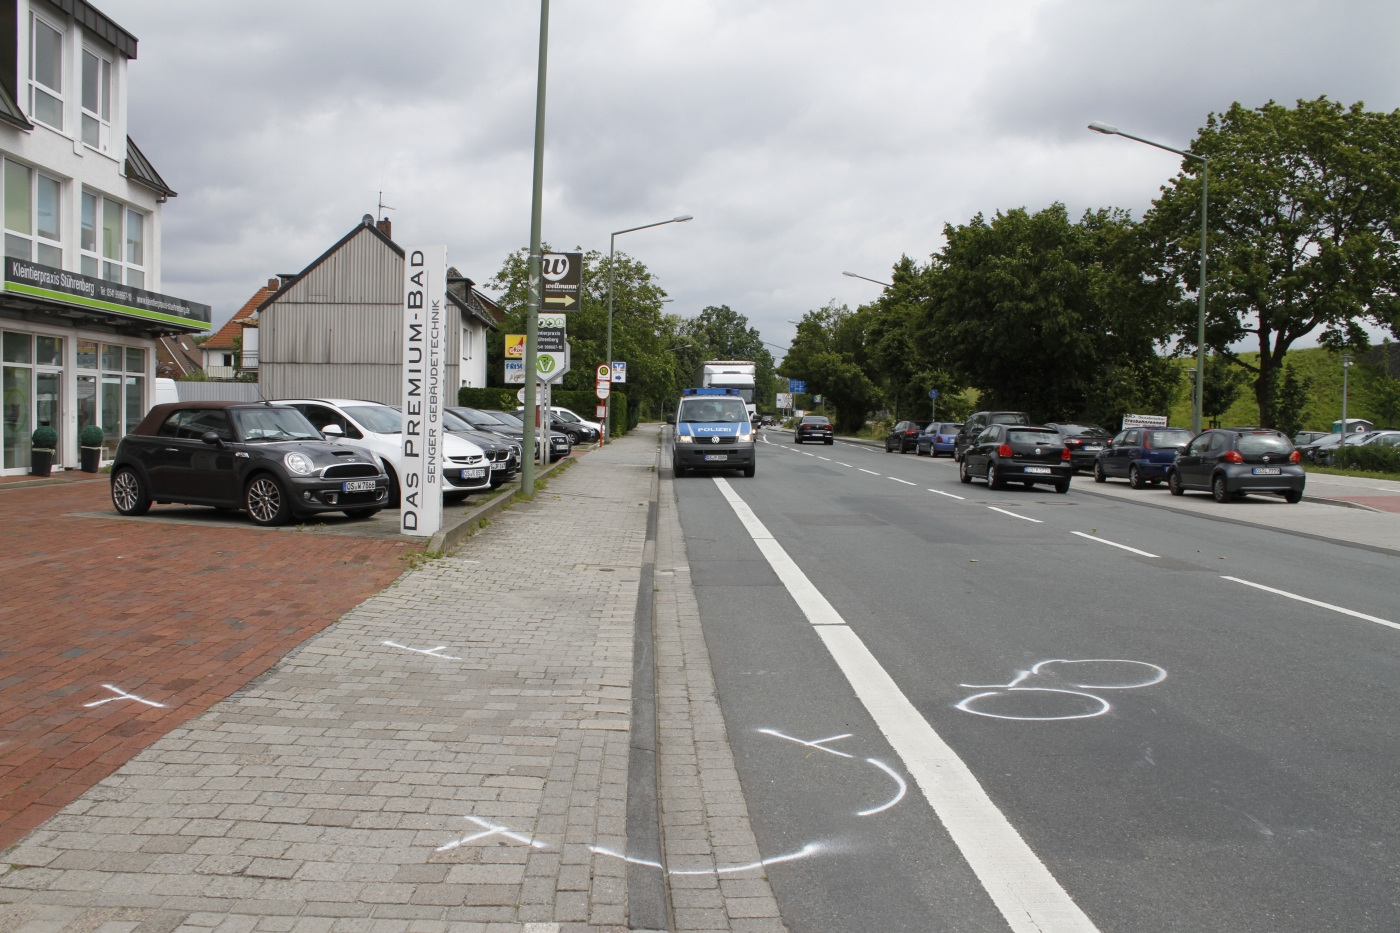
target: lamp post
<point>612,249</point>
<point>532,313</point>
<point>1346,365</point>
<point>1110,130</point>
<point>876,281</point>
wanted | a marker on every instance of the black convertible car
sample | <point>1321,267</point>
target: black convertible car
<point>265,459</point>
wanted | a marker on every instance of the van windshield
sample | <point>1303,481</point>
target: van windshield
<point>710,410</point>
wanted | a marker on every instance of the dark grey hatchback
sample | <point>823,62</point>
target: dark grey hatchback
<point>264,459</point>
<point>1234,462</point>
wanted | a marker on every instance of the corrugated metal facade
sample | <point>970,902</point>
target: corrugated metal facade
<point>218,392</point>
<point>336,332</point>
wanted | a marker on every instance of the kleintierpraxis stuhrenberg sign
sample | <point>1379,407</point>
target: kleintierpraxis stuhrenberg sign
<point>29,278</point>
<point>424,297</point>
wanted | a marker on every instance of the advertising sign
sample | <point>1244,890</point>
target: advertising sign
<point>86,291</point>
<point>1144,421</point>
<point>619,371</point>
<point>515,371</point>
<point>551,333</point>
<point>515,346</point>
<point>563,281</point>
<point>424,294</point>
<point>784,400</point>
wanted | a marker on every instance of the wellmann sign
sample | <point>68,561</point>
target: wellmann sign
<point>420,493</point>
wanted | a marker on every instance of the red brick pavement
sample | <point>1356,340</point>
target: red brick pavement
<point>178,614</point>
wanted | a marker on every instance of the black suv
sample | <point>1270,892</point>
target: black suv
<point>978,423</point>
<point>265,459</point>
<point>1233,462</point>
<point>904,436</point>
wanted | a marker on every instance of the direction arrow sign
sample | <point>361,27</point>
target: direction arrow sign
<point>563,280</point>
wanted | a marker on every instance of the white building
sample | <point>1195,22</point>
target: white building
<point>80,308</point>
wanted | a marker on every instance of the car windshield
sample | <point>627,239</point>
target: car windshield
<point>1177,438</point>
<point>815,419</point>
<point>711,410</point>
<point>509,421</point>
<point>1008,417</point>
<point>1033,437</point>
<point>378,419</point>
<point>474,416</point>
<point>568,416</point>
<point>1257,444</point>
<point>1085,430</point>
<point>273,424</point>
<point>454,422</point>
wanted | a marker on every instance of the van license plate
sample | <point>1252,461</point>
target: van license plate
<point>1037,469</point>
<point>716,456</point>
<point>358,486</point>
<point>1267,471</point>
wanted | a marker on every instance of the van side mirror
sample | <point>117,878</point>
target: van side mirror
<point>670,419</point>
<point>332,430</point>
<point>212,438</point>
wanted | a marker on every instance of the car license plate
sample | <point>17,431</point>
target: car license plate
<point>474,474</point>
<point>1093,448</point>
<point>1037,469</point>
<point>716,456</point>
<point>1267,471</point>
<point>366,485</point>
<point>498,466</point>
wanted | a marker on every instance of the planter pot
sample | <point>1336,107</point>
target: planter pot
<point>91,457</point>
<point>40,461</point>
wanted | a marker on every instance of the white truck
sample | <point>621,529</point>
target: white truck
<point>732,374</point>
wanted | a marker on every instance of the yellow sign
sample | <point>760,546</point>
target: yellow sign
<point>515,346</point>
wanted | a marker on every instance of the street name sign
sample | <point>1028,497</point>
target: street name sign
<point>424,297</point>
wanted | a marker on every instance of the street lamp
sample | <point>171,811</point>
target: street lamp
<point>1346,365</point>
<point>876,281</point>
<point>612,247</point>
<point>1108,129</point>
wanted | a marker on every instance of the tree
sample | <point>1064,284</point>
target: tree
<point>828,353</point>
<point>1224,381</point>
<point>1304,204</point>
<point>718,333</point>
<point>1289,400</point>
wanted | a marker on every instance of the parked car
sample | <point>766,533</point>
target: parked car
<point>568,415</point>
<point>904,436</point>
<point>937,437</point>
<point>502,453</point>
<point>380,428</point>
<point>978,423</point>
<point>267,460</point>
<point>498,422</point>
<point>1303,438</point>
<point>1386,438</point>
<point>814,428</point>
<point>1014,453</point>
<point>1142,455</point>
<point>1234,462</point>
<point>576,431</point>
<point>1084,442</point>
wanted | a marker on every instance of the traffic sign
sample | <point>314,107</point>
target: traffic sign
<point>619,371</point>
<point>563,280</point>
<point>604,373</point>
<point>604,389</point>
<point>600,412</point>
<point>797,386</point>
<point>520,396</point>
<point>933,393</point>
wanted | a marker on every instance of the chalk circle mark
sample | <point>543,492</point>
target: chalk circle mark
<point>1033,699</point>
<point>1152,675</point>
<point>1014,701</point>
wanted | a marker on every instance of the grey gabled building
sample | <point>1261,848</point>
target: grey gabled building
<point>334,330</point>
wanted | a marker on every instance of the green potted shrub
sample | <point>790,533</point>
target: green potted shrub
<point>90,443</point>
<point>42,444</point>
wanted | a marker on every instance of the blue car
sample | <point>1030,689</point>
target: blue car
<point>1141,455</point>
<point>937,438</point>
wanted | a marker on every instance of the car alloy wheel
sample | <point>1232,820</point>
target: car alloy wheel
<point>1219,490</point>
<point>266,503</point>
<point>1099,475</point>
<point>993,482</point>
<point>1135,477</point>
<point>127,493</point>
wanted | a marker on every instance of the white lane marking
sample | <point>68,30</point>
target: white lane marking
<point>864,470</point>
<point>430,652</point>
<point>1014,515</point>
<point>839,463</point>
<point>818,744</point>
<point>904,481</point>
<point>805,454</point>
<point>123,695</point>
<point>1315,602</point>
<point>903,788</point>
<point>948,494</point>
<point>1112,544</point>
<point>827,459</point>
<point>1015,878</point>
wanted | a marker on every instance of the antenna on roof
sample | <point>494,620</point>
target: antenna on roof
<point>383,207</point>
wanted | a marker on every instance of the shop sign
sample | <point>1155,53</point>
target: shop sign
<point>424,296</point>
<point>29,278</point>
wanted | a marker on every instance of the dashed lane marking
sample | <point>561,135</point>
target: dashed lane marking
<point>1112,544</point>
<point>1026,518</point>
<point>948,494</point>
<point>864,470</point>
<point>1315,602</point>
<point>904,481</point>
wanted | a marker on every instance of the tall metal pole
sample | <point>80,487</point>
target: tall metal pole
<point>1197,414</point>
<point>532,314</point>
<point>1346,365</point>
<point>607,415</point>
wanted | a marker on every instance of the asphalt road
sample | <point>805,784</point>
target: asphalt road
<point>1228,762</point>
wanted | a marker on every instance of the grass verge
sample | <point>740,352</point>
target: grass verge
<point>1339,471</point>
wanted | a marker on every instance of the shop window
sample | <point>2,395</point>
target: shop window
<point>48,351</point>
<point>135,401</point>
<point>15,392</point>
<point>17,348</point>
<point>135,360</point>
<point>32,215</point>
<point>111,410</point>
<point>19,214</point>
<point>97,101</point>
<point>86,401</point>
<point>111,358</point>
<point>45,73</point>
<point>87,354</point>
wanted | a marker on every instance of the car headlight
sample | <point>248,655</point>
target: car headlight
<point>300,464</point>
<point>684,439</point>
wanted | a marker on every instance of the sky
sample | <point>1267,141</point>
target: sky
<point>806,138</point>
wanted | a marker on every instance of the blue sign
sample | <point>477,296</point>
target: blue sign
<point>797,386</point>
<point>933,393</point>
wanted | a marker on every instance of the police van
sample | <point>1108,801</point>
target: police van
<point>712,432</point>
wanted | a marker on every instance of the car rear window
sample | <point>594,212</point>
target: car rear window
<point>816,419</point>
<point>1008,417</point>
<point>1032,437</point>
<point>1086,430</point>
<point>1256,444</point>
<point>949,427</point>
<point>1170,438</point>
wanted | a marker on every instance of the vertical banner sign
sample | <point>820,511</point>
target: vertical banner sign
<point>420,481</point>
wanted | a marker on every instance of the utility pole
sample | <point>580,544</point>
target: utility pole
<point>532,315</point>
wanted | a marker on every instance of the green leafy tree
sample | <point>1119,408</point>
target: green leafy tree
<point>1224,381</point>
<point>1383,397</point>
<point>719,333</point>
<point>1304,204</point>
<point>828,353</point>
<point>1289,400</point>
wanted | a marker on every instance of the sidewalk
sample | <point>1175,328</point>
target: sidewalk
<point>450,755</point>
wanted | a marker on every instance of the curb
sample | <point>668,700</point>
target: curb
<point>1320,500</point>
<point>447,540</point>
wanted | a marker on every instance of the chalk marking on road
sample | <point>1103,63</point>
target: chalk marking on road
<point>811,848</point>
<point>123,695</point>
<point>430,652</point>
<point>904,481</point>
<point>1157,675</point>
<point>817,744</point>
<point>948,494</point>
<point>1315,602</point>
<point>492,829</point>
<point>903,789</point>
<point>1015,878</point>
<point>1014,515</point>
<point>1112,544</point>
<point>864,470</point>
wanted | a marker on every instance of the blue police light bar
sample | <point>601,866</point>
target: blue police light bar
<point>709,391</point>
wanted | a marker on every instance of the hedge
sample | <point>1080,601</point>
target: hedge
<point>1371,457</point>
<point>499,399</point>
<point>579,401</point>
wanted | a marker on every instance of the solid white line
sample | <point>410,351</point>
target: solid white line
<point>864,470</point>
<point>1112,544</point>
<point>904,481</point>
<point>1314,602</point>
<point>1014,515</point>
<point>948,494</point>
<point>1015,878</point>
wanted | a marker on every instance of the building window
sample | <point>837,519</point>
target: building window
<point>45,73</point>
<point>97,101</point>
<point>29,230</point>
<point>123,253</point>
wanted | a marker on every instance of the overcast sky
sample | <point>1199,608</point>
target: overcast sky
<point>806,137</point>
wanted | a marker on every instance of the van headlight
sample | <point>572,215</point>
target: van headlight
<point>684,439</point>
<point>300,464</point>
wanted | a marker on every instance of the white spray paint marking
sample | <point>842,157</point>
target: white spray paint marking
<point>818,744</point>
<point>904,481</point>
<point>493,829</point>
<point>948,494</point>
<point>1014,515</point>
<point>903,788</point>
<point>864,470</point>
<point>123,695</point>
<point>1314,602</point>
<point>1112,544</point>
<point>811,848</point>
<point>430,652</point>
<point>1154,675</point>
<point>1015,878</point>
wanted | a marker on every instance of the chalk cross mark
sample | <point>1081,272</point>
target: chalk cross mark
<point>430,652</point>
<point>123,695</point>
